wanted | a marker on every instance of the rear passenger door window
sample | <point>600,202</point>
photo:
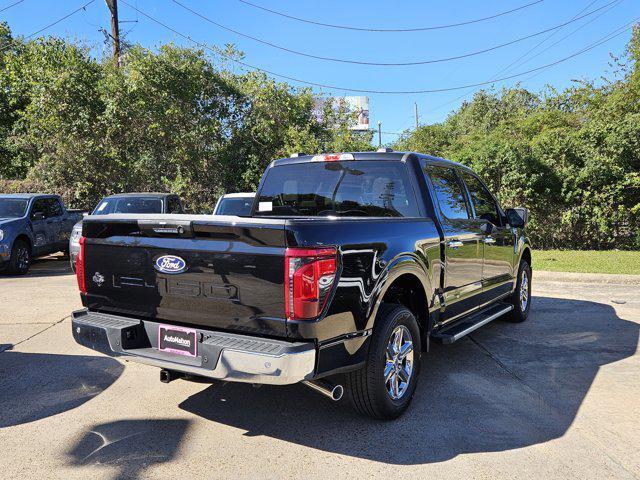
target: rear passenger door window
<point>449,192</point>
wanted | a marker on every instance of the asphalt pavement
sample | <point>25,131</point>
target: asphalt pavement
<point>555,397</point>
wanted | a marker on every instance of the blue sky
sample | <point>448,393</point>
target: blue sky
<point>394,111</point>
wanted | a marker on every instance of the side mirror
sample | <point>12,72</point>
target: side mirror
<point>517,217</point>
<point>37,216</point>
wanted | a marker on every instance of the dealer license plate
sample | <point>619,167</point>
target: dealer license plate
<point>178,340</point>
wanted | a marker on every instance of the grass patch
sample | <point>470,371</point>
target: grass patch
<point>606,261</point>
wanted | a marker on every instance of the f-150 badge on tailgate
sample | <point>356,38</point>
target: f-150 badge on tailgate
<point>170,264</point>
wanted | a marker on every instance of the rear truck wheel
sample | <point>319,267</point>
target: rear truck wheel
<point>521,296</point>
<point>20,260</point>
<point>384,387</point>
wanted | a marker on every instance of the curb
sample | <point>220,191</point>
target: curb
<point>573,277</point>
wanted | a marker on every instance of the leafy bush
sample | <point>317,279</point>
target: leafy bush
<point>571,157</point>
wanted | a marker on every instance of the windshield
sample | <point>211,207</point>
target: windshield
<point>13,207</point>
<point>235,206</point>
<point>349,188</point>
<point>129,205</point>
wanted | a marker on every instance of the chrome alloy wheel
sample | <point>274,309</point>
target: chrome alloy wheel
<point>399,362</point>
<point>22,258</point>
<point>524,290</point>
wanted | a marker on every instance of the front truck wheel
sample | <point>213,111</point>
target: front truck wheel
<point>20,258</point>
<point>384,387</point>
<point>521,297</point>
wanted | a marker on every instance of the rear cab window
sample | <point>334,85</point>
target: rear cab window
<point>353,188</point>
<point>129,205</point>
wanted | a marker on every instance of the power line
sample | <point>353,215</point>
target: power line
<point>51,24</point>
<point>387,64</point>
<point>390,30</point>
<point>12,5</point>
<point>60,19</point>
<point>569,34</point>
<point>389,92</point>
<point>514,62</point>
<point>556,43</point>
<point>508,67</point>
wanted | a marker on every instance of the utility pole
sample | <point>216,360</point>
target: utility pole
<point>115,30</point>
<point>415,109</point>
<point>379,134</point>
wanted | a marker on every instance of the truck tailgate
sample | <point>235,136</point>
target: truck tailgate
<point>223,273</point>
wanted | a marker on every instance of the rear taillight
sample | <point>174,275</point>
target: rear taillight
<point>82,285</point>
<point>309,276</point>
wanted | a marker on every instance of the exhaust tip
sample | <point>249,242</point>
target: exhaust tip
<point>337,393</point>
<point>330,390</point>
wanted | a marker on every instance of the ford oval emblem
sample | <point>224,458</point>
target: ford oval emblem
<point>170,264</point>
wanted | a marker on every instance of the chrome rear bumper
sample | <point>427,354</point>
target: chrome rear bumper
<point>223,356</point>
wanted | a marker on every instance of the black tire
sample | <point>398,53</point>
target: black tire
<point>367,386</point>
<point>521,308</point>
<point>20,260</point>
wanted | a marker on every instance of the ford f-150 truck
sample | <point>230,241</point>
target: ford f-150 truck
<point>32,225</point>
<point>349,265</point>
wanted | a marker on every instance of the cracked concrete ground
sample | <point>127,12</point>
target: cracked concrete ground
<point>555,397</point>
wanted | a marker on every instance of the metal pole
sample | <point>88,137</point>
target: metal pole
<point>379,134</point>
<point>415,108</point>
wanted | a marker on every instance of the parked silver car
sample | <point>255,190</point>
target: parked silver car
<point>126,203</point>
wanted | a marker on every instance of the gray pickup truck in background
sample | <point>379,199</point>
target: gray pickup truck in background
<point>32,225</point>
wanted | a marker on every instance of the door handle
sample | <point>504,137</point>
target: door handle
<point>489,240</point>
<point>455,244</point>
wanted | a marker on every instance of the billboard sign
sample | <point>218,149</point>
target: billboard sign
<point>358,105</point>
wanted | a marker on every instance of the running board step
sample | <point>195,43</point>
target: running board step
<point>468,324</point>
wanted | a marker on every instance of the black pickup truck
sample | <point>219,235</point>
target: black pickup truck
<point>347,267</point>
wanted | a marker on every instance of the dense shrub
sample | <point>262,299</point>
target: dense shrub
<point>571,157</point>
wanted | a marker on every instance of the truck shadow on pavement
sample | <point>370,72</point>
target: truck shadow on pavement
<point>508,386</point>
<point>50,266</point>
<point>129,445</point>
<point>39,385</point>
